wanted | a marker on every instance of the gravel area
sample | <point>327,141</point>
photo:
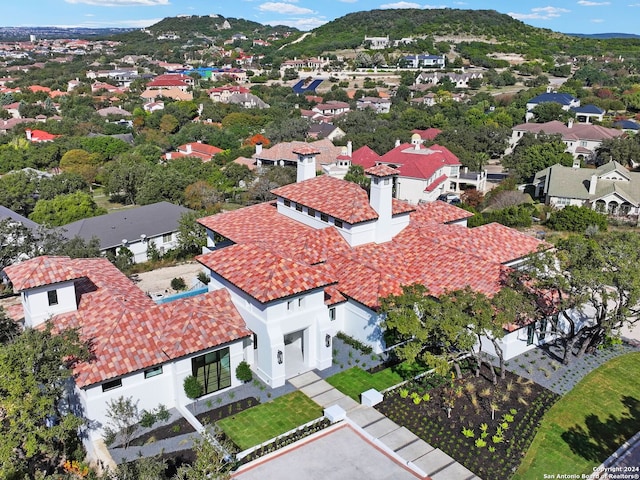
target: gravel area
<point>159,281</point>
<point>541,366</point>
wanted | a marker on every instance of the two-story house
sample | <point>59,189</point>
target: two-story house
<point>140,350</point>
<point>324,252</point>
<point>582,139</point>
<point>610,188</point>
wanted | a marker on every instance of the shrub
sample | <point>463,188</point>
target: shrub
<point>576,219</point>
<point>192,387</point>
<point>243,372</point>
<point>148,419</point>
<point>204,278</point>
<point>178,284</point>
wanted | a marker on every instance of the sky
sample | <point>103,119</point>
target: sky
<point>568,16</point>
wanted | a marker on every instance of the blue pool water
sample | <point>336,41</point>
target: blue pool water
<point>177,296</point>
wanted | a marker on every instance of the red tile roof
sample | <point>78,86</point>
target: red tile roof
<point>306,150</point>
<point>381,171</point>
<point>433,185</point>
<point>263,274</point>
<point>365,157</point>
<point>128,331</point>
<point>438,212</point>
<point>343,200</point>
<point>41,271</point>
<point>428,134</point>
<point>417,161</point>
<point>429,251</point>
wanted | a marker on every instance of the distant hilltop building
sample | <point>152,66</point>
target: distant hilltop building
<point>377,43</point>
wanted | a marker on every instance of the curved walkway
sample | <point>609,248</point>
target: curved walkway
<point>398,442</point>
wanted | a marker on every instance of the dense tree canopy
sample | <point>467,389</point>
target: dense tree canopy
<point>39,431</point>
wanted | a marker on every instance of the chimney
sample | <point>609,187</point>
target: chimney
<point>570,123</point>
<point>306,167</point>
<point>576,163</point>
<point>397,142</point>
<point>549,89</point>
<point>349,148</point>
<point>381,200</point>
<point>188,148</point>
<point>593,184</point>
<point>258,148</point>
<point>28,134</point>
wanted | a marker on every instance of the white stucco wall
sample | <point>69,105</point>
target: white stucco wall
<point>363,324</point>
<point>272,321</point>
<point>166,389</point>
<point>36,306</point>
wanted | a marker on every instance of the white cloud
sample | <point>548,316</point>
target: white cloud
<point>597,20</point>
<point>540,13</point>
<point>284,8</point>
<point>401,5</point>
<point>122,3</point>
<point>587,3</point>
<point>348,1</point>
<point>432,7</point>
<point>299,23</point>
<point>634,5</point>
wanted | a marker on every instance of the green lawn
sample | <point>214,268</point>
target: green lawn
<point>589,423</point>
<point>259,424</point>
<point>354,381</point>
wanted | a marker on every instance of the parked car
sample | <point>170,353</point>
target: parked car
<point>452,198</point>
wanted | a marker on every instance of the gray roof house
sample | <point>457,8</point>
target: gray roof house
<point>610,188</point>
<point>7,214</point>
<point>134,228</point>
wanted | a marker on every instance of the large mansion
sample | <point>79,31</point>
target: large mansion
<point>285,277</point>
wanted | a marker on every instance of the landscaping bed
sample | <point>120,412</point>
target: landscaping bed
<point>173,429</point>
<point>212,416</point>
<point>486,428</point>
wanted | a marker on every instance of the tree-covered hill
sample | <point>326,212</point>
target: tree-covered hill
<point>492,32</point>
<point>350,30</point>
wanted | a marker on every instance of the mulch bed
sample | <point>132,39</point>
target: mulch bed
<point>470,400</point>
<point>173,429</point>
<point>212,416</point>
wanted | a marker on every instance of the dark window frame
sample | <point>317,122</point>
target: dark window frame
<point>112,385</point>
<point>52,297</point>
<point>153,372</point>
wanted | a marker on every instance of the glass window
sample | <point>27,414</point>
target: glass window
<point>111,385</point>
<point>332,314</point>
<point>213,370</point>
<point>298,207</point>
<point>337,223</point>
<point>152,372</point>
<point>287,203</point>
<point>52,295</point>
<point>543,329</point>
<point>324,217</point>
<point>167,237</point>
<point>531,330</point>
<point>311,212</point>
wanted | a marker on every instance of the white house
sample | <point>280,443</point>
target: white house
<point>141,350</point>
<point>424,173</point>
<point>582,139</point>
<point>378,105</point>
<point>322,255</point>
<point>135,228</point>
<point>611,188</point>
